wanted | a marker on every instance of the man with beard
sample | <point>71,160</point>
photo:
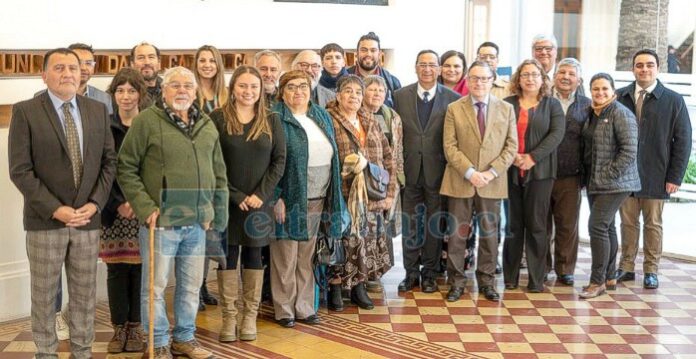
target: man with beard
<point>180,187</point>
<point>268,63</point>
<point>146,59</point>
<point>310,62</point>
<point>368,58</point>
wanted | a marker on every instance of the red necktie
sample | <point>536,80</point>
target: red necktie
<point>481,118</point>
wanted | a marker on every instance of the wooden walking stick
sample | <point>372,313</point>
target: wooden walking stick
<point>151,304</point>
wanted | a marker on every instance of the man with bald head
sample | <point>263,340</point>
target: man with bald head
<point>310,62</point>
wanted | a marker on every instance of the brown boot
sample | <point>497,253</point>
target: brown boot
<point>136,338</point>
<point>228,285</point>
<point>252,282</point>
<point>118,341</point>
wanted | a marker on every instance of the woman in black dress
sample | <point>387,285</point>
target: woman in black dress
<point>253,145</point>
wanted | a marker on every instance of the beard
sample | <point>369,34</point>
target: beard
<point>181,106</point>
<point>367,67</point>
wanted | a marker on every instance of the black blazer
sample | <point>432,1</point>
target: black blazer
<point>544,133</point>
<point>40,166</point>
<point>423,146</point>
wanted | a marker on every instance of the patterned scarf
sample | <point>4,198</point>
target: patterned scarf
<point>194,115</point>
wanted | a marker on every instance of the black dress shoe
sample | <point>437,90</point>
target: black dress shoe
<point>510,286</point>
<point>335,302</point>
<point>429,285</point>
<point>622,276</point>
<point>358,295</point>
<point>535,289</point>
<point>286,322</point>
<point>454,293</point>
<point>650,281</point>
<point>498,268</point>
<point>566,279</point>
<point>408,284</point>
<point>490,293</point>
<point>311,320</point>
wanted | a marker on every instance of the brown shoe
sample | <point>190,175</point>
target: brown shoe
<point>136,338</point>
<point>163,353</point>
<point>190,349</point>
<point>118,341</point>
<point>593,290</point>
<point>611,284</point>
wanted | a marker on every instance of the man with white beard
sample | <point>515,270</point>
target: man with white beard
<point>180,187</point>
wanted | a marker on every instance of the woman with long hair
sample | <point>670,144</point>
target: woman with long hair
<point>209,69</point>
<point>253,147</point>
<point>453,65</point>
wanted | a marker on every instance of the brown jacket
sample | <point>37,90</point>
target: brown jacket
<point>376,150</point>
<point>465,149</point>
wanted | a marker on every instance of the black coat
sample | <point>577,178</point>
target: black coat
<point>116,198</point>
<point>664,138</point>
<point>544,133</point>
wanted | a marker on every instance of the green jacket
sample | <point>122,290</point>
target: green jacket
<point>161,166</point>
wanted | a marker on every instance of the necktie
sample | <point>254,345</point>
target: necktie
<point>481,118</point>
<point>73,144</point>
<point>425,96</point>
<point>639,105</point>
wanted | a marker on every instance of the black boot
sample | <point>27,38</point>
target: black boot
<point>335,301</point>
<point>358,295</point>
<point>206,297</point>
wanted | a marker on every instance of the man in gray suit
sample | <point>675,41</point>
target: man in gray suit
<point>422,107</point>
<point>62,160</point>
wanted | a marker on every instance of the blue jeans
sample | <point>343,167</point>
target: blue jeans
<point>183,248</point>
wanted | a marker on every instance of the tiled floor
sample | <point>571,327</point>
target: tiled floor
<point>629,323</point>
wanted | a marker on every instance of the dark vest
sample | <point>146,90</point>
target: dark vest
<point>424,110</point>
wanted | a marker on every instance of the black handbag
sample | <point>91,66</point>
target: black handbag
<point>376,181</point>
<point>329,251</point>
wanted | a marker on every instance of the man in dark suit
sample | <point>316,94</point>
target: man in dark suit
<point>62,160</point>
<point>422,107</point>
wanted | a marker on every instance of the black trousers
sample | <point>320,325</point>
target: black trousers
<point>123,288</point>
<point>423,227</point>
<point>529,208</point>
<point>252,257</point>
<point>604,242</point>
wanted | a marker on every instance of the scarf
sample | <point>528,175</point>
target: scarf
<point>330,82</point>
<point>599,107</point>
<point>353,165</point>
<point>193,115</point>
<point>461,87</point>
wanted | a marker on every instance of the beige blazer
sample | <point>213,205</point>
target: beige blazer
<point>464,148</point>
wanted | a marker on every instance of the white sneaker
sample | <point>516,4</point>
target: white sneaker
<point>62,329</point>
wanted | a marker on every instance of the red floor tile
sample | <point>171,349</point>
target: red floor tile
<point>598,329</point>
<point>616,348</point>
<point>534,328</point>
<point>509,337</point>
<point>463,311</point>
<point>407,327</point>
<point>436,319</point>
<point>404,310</point>
<point>639,338</point>
<point>574,338</point>
<point>374,318</point>
<point>557,348</point>
<point>443,337</point>
<point>471,328</point>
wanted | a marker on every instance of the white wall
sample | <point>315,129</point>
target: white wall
<point>187,24</point>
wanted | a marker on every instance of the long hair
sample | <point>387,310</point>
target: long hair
<point>447,55</point>
<point>261,123</point>
<point>131,76</point>
<point>515,87</point>
<point>221,94</point>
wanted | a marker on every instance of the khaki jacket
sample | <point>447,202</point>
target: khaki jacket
<point>465,149</point>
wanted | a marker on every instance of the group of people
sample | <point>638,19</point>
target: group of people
<point>273,165</point>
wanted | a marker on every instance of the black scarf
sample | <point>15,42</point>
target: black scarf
<point>330,82</point>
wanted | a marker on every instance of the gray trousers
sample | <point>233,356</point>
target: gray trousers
<point>292,270</point>
<point>47,251</point>
<point>488,215</point>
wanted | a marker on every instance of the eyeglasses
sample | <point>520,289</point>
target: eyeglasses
<point>533,75</point>
<point>350,91</point>
<point>425,66</point>
<point>306,65</point>
<point>543,48</point>
<point>484,57</point>
<point>89,63</point>
<point>189,86</point>
<point>483,80</point>
<point>293,87</point>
